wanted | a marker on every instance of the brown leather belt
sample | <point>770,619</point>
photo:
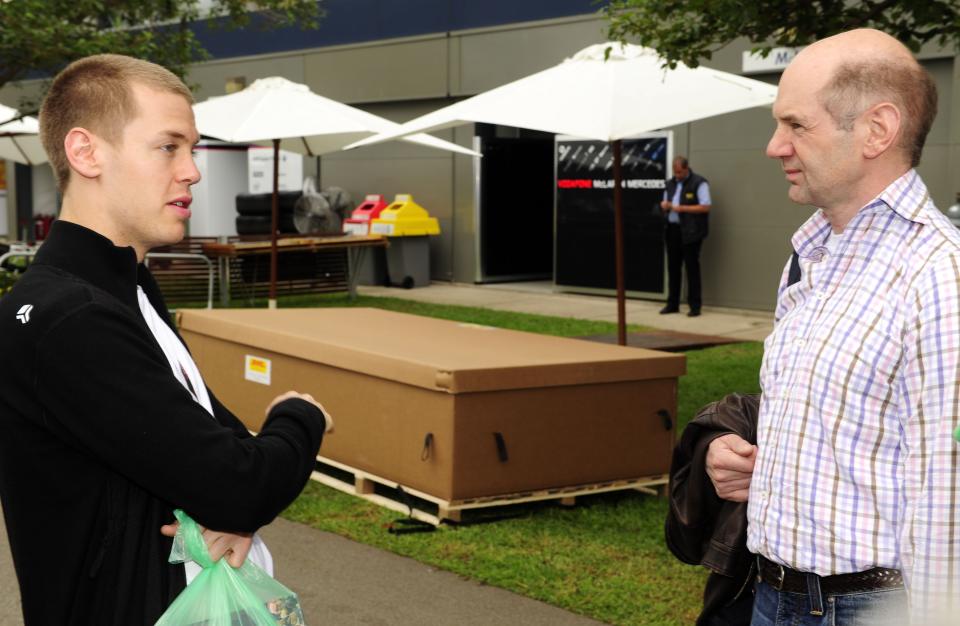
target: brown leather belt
<point>785,579</point>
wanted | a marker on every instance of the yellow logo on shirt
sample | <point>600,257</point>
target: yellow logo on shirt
<point>689,195</point>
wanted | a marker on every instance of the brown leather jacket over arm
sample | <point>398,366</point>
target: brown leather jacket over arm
<point>702,528</point>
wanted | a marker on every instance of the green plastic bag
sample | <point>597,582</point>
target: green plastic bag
<point>223,596</point>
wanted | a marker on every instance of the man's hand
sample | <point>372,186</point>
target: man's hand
<point>235,546</point>
<point>308,398</point>
<point>730,460</point>
<point>666,205</point>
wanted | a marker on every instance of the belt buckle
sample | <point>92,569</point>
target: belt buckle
<point>783,574</point>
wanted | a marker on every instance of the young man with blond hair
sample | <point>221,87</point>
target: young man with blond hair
<point>107,424</point>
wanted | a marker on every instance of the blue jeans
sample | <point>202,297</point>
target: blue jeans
<point>875,608</point>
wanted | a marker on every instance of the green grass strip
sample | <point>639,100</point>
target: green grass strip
<point>530,322</point>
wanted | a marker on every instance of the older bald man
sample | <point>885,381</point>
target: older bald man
<point>854,488</point>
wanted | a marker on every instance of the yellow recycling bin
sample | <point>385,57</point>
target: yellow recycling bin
<point>405,218</point>
<point>407,226</point>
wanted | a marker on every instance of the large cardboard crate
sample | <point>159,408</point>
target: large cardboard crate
<point>450,409</point>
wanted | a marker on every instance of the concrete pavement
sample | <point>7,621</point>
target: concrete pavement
<point>346,583</point>
<point>539,297</point>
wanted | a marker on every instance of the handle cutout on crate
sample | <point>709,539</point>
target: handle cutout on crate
<point>501,447</point>
<point>427,447</point>
<point>665,416</point>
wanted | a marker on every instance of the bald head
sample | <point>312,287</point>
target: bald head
<point>858,69</point>
<point>862,44</point>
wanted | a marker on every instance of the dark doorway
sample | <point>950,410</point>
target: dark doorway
<point>516,204</point>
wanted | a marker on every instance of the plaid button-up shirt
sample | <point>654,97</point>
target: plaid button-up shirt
<point>857,467</point>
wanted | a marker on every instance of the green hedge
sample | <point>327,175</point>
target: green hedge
<point>7,278</point>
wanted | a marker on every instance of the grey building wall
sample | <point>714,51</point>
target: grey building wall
<point>752,220</point>
<point>400,79</point>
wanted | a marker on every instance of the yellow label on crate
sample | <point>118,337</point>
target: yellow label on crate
<point>257,369</point>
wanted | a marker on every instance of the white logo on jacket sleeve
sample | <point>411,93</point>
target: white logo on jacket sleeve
<point>24,313</point>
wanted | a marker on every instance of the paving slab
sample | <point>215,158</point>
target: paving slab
<point>540,298</point>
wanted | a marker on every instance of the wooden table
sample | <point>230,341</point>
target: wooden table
<point>355,245</point>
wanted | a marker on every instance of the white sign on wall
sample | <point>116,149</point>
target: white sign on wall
<point>223,175</point>
<point>776,61</point>
<point>260,170</point>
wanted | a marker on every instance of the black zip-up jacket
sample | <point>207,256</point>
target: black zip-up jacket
<point>99,442</point>
<point>701,527</point>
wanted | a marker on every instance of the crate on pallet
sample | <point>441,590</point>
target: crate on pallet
<point>450,410</point>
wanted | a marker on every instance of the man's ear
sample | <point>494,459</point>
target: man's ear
<point>883,128</point>
<point>82,153</point>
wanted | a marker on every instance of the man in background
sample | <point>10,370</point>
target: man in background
<point>686,204</point>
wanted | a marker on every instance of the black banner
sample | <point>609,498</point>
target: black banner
<point>584,213</point>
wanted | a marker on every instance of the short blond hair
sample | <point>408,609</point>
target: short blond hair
<point>95,93</point>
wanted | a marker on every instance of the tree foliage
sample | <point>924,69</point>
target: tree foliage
<point>689,31</point>
<point>44,35</point>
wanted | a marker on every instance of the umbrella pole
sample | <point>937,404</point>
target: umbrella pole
<point>618,235</point>
<point>274,224</point>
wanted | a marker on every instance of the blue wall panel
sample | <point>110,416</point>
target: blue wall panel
<point>472,14</point>
<point>356,21</point>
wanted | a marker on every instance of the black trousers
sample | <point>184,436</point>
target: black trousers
<point>687,256</point>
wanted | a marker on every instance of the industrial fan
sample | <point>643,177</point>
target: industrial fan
<point>321,213</point>
<point>312,214</point>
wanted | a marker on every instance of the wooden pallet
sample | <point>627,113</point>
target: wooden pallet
<point>434,510</point>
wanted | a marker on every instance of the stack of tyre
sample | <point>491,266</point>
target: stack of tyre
<point>253,212</point>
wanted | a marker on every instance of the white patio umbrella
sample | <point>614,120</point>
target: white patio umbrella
<point>20,138</point>
<point>594,97</point>
<point>290,116</point>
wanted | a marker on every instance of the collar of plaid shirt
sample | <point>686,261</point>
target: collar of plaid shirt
<point>856,466</point>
